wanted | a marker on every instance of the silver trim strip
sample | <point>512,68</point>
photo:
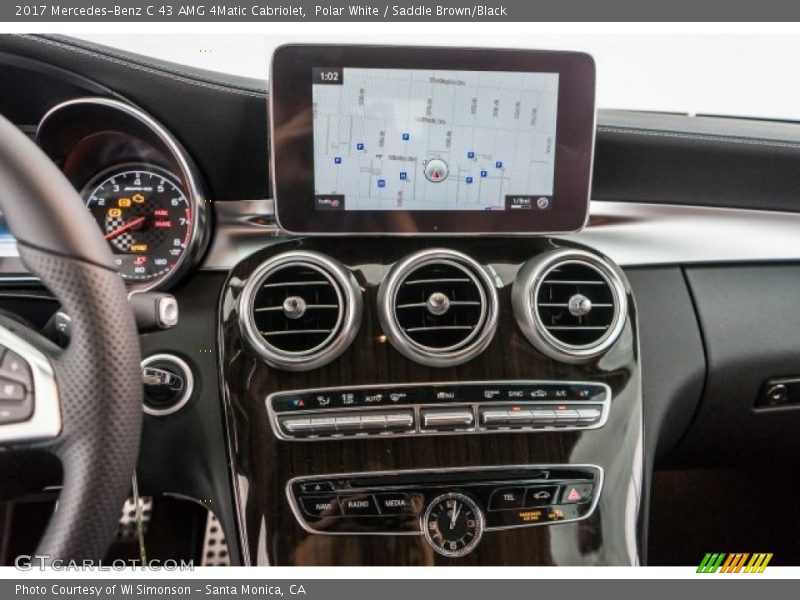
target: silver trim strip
<point>475,428</point>
<point>45,423</point>
<point>298,514</point>
<point>201,230</point>
<point>629,233</point>
<point>187,394</point>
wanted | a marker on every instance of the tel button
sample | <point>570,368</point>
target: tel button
<point>358,506</point>
<point>396,504</point>
<point>506,498</point>
<point>320,506</point>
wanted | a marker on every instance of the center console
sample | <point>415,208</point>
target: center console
<point>426,376</point>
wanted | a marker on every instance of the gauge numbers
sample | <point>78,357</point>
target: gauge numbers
<point>453,524</point>
<point>146,218</point>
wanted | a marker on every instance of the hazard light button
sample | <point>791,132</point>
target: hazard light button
<point>576,493</point>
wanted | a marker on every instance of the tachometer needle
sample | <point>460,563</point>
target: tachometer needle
<point>124,228</point>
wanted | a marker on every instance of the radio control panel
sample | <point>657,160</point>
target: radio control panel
<point>412,502</point>
<point>437,409</point>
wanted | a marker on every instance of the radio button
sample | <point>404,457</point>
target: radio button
<point>358,506</point>
<point>507,498</point>
<point>320,506</point>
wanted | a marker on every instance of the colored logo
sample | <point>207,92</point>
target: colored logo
<point>734,563</point>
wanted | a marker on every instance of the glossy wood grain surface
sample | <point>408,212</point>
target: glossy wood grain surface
<point>262,464</point>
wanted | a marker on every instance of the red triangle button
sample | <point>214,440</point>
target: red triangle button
<point>573,495</point>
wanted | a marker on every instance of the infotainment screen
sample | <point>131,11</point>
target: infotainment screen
<point>374,140</point>
<point>402,139</point>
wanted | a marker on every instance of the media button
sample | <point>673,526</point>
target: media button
<point>396,504</point>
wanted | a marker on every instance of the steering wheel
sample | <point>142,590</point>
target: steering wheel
<point>82,403</point>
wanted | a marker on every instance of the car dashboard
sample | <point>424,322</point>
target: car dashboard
<point>424,390</point>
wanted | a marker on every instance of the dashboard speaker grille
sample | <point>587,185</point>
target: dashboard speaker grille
<point>438,307</point>
<point>300,310</point>
<point>570,304</point>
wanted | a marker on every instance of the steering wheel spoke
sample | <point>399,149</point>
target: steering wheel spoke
<point>30,408</point>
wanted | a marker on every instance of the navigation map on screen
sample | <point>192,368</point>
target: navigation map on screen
<point>413,140</point>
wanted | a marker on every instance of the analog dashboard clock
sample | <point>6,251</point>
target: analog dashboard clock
<point>453,524</point>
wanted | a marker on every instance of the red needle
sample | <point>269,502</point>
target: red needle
<point>123,228</point>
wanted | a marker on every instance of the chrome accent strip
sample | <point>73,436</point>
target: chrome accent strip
<point>201,230</point>
<point>347,325</point>
<point>631,234</point>
<point>475,428</point>
<point>298,514</point>
<point>187,394</point>
<point>526,289</point>
<point>460,353</point>
<point>45,423</point>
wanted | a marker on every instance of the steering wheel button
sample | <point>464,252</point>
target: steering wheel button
<point>11,391</point>
<point>15,368</point>
<point>13,413</point>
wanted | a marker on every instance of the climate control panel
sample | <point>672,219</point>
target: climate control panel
<point>436,409</point>
<point>419,502</point>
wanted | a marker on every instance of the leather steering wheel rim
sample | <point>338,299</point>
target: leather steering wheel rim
<point>98,377</point>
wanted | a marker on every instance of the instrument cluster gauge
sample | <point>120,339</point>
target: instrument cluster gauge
<point>453,524</point>
<point>147,218</point>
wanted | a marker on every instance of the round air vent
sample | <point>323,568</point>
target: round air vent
<point>570,304</point>
<point>300,310</point>
<point>438,307</point>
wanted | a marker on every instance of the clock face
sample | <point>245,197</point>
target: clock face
<point>453,524</point>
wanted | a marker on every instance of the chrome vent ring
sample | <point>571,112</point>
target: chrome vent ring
<point>438,307</point>
<point>300,310</point>
<point>570,304</point>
